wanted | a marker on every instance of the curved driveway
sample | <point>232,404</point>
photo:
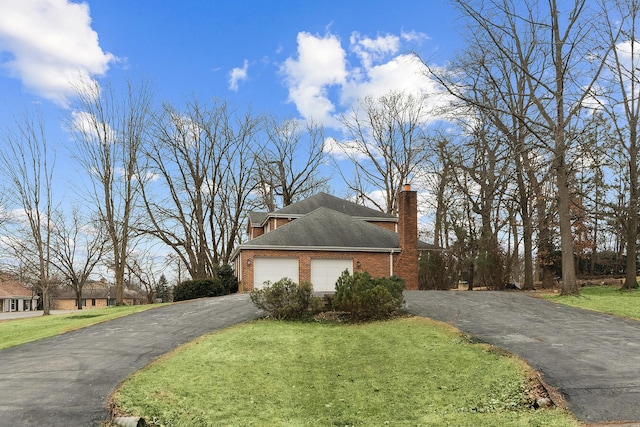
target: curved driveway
<point>593,359</point>
<point>66,380</point>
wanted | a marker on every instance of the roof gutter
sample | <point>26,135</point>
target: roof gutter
<point>294,216</point>
<point>237,250</point>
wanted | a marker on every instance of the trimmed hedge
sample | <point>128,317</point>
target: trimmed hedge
<point>366,298</point>
<point>200,288</point>
<point>224,283</point>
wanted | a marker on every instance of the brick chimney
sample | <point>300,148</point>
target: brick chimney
<point>406,265</point>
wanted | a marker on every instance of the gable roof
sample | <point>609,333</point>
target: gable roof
<point>12,288</point>
<point>325,200</point>
<point>99,289</point>
<point>257,218</point>
<point>327,228</point>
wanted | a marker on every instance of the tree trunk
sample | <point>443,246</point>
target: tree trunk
<point>630,280</point>
<point>569,285</point>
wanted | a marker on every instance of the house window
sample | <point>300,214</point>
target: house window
<point>84,302</point>
<point>14,305</point>
<point>93,302</point>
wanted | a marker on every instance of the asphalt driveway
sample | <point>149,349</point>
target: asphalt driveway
<point>592,359</point>
<point>66,380</point>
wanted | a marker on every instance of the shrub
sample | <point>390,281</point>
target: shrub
<point>492,269</point>
<point>223,283</point>
<point>366,298</point>
<point>199,288</point>
<point>228,278</point>
<point>162,291</point>
<point>436,270</point>
<point>285,299</point>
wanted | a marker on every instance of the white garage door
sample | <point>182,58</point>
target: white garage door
<point>325,272</point>
<point>273,269</point>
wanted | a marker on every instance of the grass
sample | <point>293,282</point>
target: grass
<point>604,299</point>
<point>405,372</point>
<point>20,331</point>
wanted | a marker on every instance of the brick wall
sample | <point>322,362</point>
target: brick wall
<point>406,263</point>
<point>70,304</point>
<point>387,225</point>
<point>256,231</point>
<point>375,263</point>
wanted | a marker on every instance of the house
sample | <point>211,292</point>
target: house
<point>14,296</point>
<point>95,294</point>
<point>316,239</point>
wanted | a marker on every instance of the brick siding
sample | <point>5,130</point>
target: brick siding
<point>377,264</point>
<point>406,264</point>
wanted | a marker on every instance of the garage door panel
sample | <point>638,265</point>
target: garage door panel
<point>273,269</point>
<point>325,272</point>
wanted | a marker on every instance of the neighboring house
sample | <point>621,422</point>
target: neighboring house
<point>95,294</point>
<point>14,296</point>
<point>316,239</point>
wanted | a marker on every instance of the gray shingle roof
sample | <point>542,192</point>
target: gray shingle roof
<point>257,218</point>
<point>325,227</point>
<point>424,246</point>
<point>328,201</point>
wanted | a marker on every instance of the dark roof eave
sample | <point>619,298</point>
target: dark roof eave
<point>312,248</point>
<point>295,216</point>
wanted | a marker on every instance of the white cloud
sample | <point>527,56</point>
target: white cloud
<point>403,73</point>
<point>320,64</point>
<point>238,75</point>
<point>626,58</point>
<point>414,36</point>
<point>324,85</point>
<point>90,128</point>
<point>629,59</point>
<point>51,46</point>
<point>342,150</point>
<point>370,50</point>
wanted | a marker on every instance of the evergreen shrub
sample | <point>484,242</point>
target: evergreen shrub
<point>366,298</point>
<point>199,288</point>
<point>285,299</point>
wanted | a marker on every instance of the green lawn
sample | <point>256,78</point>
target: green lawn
<point>605,299</point>
<point>404,372</point>
<point>20,331</point>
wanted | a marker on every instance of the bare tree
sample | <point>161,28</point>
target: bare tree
<point>289,165</point>
<point>387,143</point>
<point>486,169</point>
<point>28,167</point>
<point>619,96</point>
<point>437,176</point>
<point>238,180</point>
<point>143,273</point>
<point>78,246</point>
<point>484,81</point>
<point>202,173</point>
<point>110,132</point>
<point>557,82</point>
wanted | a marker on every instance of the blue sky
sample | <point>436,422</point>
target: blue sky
<point>293,59</point>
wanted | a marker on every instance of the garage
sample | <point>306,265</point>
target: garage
<point>273,269</point>
<point>325,272</point>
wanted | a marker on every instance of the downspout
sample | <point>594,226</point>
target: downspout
<point>390,263</point>
<point>239,271</point>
